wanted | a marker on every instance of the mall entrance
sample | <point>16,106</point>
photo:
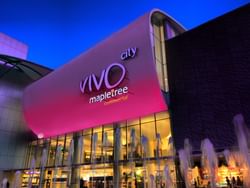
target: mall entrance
<point>128,154</point>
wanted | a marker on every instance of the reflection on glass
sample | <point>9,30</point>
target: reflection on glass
<point>163,128</point>
<point>108,127</point>
<point>66,151</point>
<point>148,118</point>
<point>80,144</point>
<point>131,149</point>
<point>108,147</point>
<point>148,130</point>
<point>162,115</point>
<point>134,137</point>
<point>39,151</point>
<point>133,121</point>
<point>87,131</point>
<point>160,55</point>
<point>123,141</point>
<point>52,152</point>
<point>97,154</point>
<point>87,148</point>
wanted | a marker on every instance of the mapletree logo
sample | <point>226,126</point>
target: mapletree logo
<point>110,78</point>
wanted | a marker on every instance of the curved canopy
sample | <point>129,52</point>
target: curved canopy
<point>32,70</point>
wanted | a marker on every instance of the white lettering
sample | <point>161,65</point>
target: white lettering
<point>107,95</point>
<point>128,53</point>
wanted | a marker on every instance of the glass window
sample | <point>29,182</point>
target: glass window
<point>108,145</point>
<point>148,118</point>
<point>39,151</point>
<point>134,149</point>
<point>97,146</point>
<point>123,154</point>
<point>124,123</point>
<point>165,77</point>
<point>86,148</point>
<point>97,129</point>
<point>163,129</point>
<point>160,56</point>
<point>87,131</point>
<point>52,152</point>
<point>67,149</point>
<point>133,121</point>
<point>40,141</point>
<point>80,145</point>
<point>169,31</point>
<point>30,155</point>
<point>93,179</point>
<point>160,74</point>
<point>33,149</point>
<point>148,138</point>
<point>162,115</point>
<point>80,133</point>
<point>108,127</point>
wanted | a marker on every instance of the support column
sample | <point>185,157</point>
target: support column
<point>75,170</point>
<point>117,148</point>
<point>75,177</point>
<point>42,178</point>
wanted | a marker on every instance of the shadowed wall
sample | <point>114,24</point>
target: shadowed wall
<point>14,134</point>
<point>209,79</point>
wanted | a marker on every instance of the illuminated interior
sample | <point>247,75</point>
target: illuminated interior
<point>94,159</point>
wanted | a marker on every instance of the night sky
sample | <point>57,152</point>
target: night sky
<point>56,31</point>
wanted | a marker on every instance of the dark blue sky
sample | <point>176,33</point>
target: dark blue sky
<point>58,30</point>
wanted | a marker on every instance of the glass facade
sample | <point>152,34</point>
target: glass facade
<point>162,31</point>
<point>142,145</point>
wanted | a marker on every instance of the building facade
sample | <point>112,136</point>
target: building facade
<point>15,74</point>
<point>126,147</point>
<point>117,115</point>
<point>10,105</point>
<point>210,79</point>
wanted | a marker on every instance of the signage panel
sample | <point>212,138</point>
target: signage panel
<point>114,81</point>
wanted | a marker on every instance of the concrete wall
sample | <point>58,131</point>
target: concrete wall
<point>14,134</point>
<point>12,47</point>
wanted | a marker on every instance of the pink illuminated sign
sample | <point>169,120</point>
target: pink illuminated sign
<point>112,82</point>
